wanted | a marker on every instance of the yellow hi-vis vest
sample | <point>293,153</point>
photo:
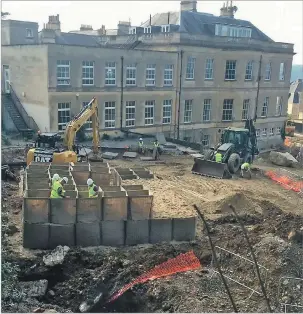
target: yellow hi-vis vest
<point>55,188</point>
<point>53,181</point>
<point>245,166</point>
<point>156,144</point>
<point>91,192</point>
<point>218,157</point>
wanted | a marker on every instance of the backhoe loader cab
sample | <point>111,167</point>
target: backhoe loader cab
<point>237,145</point>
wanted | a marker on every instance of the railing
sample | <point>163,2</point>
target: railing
<point>29,121</point>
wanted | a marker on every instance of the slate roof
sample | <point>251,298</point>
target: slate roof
<point>74,39</point>
<point>296,92</point>
<point>296,86</point>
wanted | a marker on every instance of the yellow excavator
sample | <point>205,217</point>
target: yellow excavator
<point>46,149</point>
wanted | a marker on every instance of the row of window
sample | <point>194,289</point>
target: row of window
<point>230,70</point>
<point>272,132</point>
<point>149,112</point>
<point>88,72</point>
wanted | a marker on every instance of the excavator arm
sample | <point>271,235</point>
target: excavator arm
<point>89,111</point>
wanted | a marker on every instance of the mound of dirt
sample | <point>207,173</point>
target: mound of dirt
<point>242,204</point>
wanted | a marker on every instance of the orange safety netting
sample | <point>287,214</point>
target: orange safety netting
<point>182,263</point>
<point>285,181</point>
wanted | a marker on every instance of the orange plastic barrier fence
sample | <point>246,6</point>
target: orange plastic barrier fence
<point>285,181</point>
<point>182,263</point>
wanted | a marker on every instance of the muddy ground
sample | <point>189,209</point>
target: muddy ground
<point>268,211</point>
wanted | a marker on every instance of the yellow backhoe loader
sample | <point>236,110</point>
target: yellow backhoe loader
<point>46,149</point>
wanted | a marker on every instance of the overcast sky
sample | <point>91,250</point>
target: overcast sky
<point>280,20</point>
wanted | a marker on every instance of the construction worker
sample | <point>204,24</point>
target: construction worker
<point>245,167</point>
<point>55,178</point>
<point>218,157</point>
<point>141,146</point>
<point>57,189</point>
<point>92,188</point>
<point>157,148</point>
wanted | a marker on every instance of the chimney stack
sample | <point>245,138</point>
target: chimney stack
<point>188,5</point>
<point>86,27</point>
<point>54,23</point>
<point>228,10</point>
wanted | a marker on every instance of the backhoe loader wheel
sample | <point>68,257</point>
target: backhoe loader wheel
<point>233,163</point>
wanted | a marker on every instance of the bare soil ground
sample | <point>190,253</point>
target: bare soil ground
<point>268,211</point>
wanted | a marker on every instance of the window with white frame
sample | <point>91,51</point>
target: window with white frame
<point>63,72</point>
<point>167,105</point>
<point>88,123</point>
<point>227,114</point>
<point>282,71</point>
<point>147,30</point>
<point>188,111</point>
<point>264,132</point>
<point>110,73</point>
<point>245,109</point>
<point>209,69</point>
<point>258,132</point>
<point>230,70</point>
<point>29,33</point>
<point>265,107</point>
<point>109,114</point>
<point>150,75</point>
<point>149,112</point>
<point>232,31</point>
<point>205,140</point>
<point>88,73</point>
<point>63,115</point>
<point>271,131</point>
<point>168,75</point>
<point>279,106</point>
<point>165,28</point>
<point>190,68</point>
<point>131,71</point>
<point>267,72</point>
<point>278,130</point>
<point>206,110</point>
<point>249,71</point>
<point>130,113</point>
<point>132,31</point>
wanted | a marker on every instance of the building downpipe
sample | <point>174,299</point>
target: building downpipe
<point>121,103</point>
<point>258,89</point>
<point>180,88</point>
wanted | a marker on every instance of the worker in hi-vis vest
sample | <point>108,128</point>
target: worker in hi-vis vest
<point>57,188</point>
<point>245,167</point>
<point>218,157</point>
<point>92,188</point>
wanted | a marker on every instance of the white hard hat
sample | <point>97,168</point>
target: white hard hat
<point>140,139</point>
<point>65,179</point>
<point>72,164</point>
<point>56,176</point>
<point>90,181</point>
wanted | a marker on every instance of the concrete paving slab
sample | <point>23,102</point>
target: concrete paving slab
<point>35,236</point>
<point>109,155</point>
<point>113,232</point>
<point>63,211</point>
<point>169,145</point>
<point>160,230</point>
<point>34,288</point>
<point>137,232</point>
<point>88,234</point>
<point>144,174</point>
<point>114,208</point>
<point>61,235</point>
<point>140,206</point>
<point>161,138</point>
<point>197,155</point>
<point>36,210</point>
<point>147,159</point>
<point>89,210</point>
<point>184,229</point>
<point>130,155</point>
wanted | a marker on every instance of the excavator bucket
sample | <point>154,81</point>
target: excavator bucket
<point>211,169</point>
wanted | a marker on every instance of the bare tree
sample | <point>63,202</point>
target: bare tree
<point>4,15</point>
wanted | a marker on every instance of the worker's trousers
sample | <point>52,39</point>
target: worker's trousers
<point>247,173</point>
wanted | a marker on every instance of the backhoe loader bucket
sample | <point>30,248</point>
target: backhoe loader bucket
<point>211,169</point>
